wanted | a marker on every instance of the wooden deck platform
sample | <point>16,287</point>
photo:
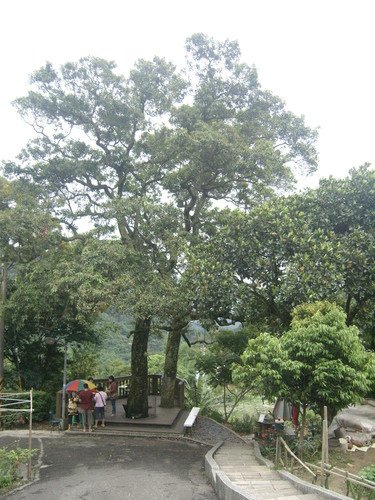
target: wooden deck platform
<point>163,417</point>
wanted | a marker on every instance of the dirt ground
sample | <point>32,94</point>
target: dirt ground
<point>350,461</point>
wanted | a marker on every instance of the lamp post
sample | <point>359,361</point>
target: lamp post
<point>64,384</point>
<point>51,340</point>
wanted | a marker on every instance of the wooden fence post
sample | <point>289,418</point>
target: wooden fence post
<point>277,458</point>
<point>324,447</point>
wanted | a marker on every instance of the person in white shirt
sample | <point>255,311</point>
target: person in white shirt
<point>100,398</point>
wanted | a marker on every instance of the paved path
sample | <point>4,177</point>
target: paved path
<point>238,463</point>
<point>96,467</point>
<point>120,466</point>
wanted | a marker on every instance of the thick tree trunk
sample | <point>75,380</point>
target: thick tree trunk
<point>3,290</point>
<point>170,369</point>
<point>138,390</point>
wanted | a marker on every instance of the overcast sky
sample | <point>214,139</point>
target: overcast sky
<point>317,55</point>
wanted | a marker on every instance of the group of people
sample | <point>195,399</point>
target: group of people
<point>89,405</point>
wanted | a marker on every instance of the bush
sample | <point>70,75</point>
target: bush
<point>43,402</point>
<point>198,393</point>
<point>10,460</point>
<point>368,473</point>
<point>312,445</point>
<point>358,491</point>
<point>245,425</point>
<point>214,414</point>
<point>11,420</point>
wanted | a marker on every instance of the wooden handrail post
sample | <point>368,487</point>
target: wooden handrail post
<point>298,460</point>
<point>277,458</point>
<point>286,458</point>
<point>324,445</point>
<point>29,465</point>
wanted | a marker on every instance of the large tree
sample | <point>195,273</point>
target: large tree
<point>57,295</point>
<point>109,146</point>
<point>315,245</point>
<point>101,148</point>
<point>342,212</point>
<point>26,231</point>
<point>236,142</point>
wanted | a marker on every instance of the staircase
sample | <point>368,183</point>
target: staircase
<point>255,481</point>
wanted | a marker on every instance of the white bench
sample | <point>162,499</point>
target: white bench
<point>190,421</point>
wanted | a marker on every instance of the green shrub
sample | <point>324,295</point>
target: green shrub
<point>358,491</point>
<point>214,414</point>
<point>247,424</point>
<point>10,460</point>
<point>43,402</point>
<point>10,420</point>
<point>368,473</point>
<point>198,392</point>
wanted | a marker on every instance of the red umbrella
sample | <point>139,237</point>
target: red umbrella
<point>77,385</point>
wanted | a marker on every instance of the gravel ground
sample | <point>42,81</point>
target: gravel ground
<point>211,432</point>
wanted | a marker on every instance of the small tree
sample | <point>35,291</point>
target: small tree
<point>331,357</point>
<point>217,363</point>
<point>319,362</point>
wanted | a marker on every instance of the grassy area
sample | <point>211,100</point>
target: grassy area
<point>244,418</point>
<point>252,406</point>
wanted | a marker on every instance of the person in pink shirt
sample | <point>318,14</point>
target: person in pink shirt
<point>100,399</point>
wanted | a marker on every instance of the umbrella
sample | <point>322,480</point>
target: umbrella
<point>77,385</point>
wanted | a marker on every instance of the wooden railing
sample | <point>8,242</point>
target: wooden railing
<point>355,485</point>
<point>123,383</point>
<point>286,463</point>
<point>360,484</point>
<point>154,386</point>
<point>154,383</point>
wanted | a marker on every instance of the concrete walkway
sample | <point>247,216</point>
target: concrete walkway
<point>236,472</point>
<point>235,468</point>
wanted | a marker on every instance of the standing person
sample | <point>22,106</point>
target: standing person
<point>112,392</point>
<point>100,398</point>
<point>72,409</point>
<point>86,406</point>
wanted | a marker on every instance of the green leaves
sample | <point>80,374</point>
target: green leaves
<point>319,361</point>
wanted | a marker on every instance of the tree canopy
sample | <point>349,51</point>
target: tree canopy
<point>319,362</point>
<point>114,148</point>
<point>291,250</point>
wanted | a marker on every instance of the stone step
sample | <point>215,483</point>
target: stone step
<point>239,464</point>
<point>251,461</point>
<point>300,496</point>
<point>244,467</point>
<point>267,494</point>
<point>248,476</point>
<point>239,456</point>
